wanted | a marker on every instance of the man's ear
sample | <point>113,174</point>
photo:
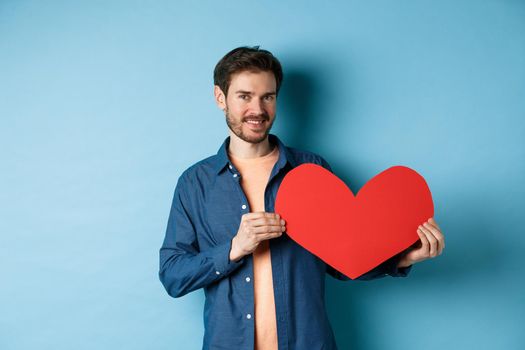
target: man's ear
<point>220,97</point>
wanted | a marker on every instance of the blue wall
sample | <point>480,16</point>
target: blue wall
<point>103,104</point>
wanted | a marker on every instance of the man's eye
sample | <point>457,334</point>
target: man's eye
<point>269,98</point>
<point>243,97</point>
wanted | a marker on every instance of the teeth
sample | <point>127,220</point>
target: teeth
<point>254,121</point>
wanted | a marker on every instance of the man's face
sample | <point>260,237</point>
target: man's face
<point>250,105</point>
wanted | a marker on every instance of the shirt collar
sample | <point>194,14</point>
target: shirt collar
<point>285,156</point>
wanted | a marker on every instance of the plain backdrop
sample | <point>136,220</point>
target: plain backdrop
<point>103,104</point>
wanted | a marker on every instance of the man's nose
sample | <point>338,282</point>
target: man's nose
<point>256,106</point>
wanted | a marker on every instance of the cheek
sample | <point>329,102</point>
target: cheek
<point>238,110</point>
<point>270,108</point>
<point>235,107</point>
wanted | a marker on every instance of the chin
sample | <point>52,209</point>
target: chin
<point>253,139</point>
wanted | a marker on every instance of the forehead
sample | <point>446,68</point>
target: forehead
<point>261,81</point>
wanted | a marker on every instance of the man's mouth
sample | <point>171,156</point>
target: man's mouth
<point>255,121</point>
<point>256,125</point>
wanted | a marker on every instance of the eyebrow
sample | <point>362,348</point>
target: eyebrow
<point>250,93</point>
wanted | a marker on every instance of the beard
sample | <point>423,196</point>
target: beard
<point>237,127</point>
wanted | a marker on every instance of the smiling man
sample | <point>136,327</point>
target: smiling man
<point>263,291</point>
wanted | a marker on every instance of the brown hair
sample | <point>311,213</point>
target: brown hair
<point>246,58</point>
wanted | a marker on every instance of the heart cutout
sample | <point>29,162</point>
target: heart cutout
<point>353,234</point>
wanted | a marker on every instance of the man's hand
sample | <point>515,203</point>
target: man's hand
<point>431,244</point>
<point>253,229</point>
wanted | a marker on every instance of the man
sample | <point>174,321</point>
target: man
<point>263,291</point>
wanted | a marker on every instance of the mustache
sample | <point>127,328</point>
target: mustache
<point>263,116</point>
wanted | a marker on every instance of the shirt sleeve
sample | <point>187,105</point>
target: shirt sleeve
<point>183,267</point>
<point>387,268</point>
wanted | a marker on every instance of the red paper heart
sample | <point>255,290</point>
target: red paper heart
<point>353,234</point>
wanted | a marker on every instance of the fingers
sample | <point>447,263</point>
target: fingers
<point>432,226</point>
<point>425,244</point>
<point>258,219</point>
<point>433,242</point>
<point>260,215</point>
<point>266,221</point>
<point>263,225</point>
<point>438,236</point>
<point>267,229</point>
<point>434,223</point>
<point>264,236</point>
<point>436,231</point>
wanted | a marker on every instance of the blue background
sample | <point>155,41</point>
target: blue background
<point>104,103</point>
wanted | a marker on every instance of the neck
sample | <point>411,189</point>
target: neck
<point>242,149</point>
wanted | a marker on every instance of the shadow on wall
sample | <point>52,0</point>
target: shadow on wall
<point>307,96</point>
<point>298,105</point>
<point>304,97</point>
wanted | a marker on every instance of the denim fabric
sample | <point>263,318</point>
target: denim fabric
<point>205,214</point>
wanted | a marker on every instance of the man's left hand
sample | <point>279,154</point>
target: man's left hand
<point>431,244</point>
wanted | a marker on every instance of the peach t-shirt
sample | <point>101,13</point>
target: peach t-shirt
<point>255,173</point>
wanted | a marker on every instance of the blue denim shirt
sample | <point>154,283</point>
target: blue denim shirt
<point>205,215</point>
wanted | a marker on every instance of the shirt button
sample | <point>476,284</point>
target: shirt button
<point>249,316</point>
<point>248,279</point>
<point>217,273</point>
<point>230,166</point>
<point>243,206</point>
<point>234,175</point>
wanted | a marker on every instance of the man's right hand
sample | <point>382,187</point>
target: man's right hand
<point>253,229</point>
